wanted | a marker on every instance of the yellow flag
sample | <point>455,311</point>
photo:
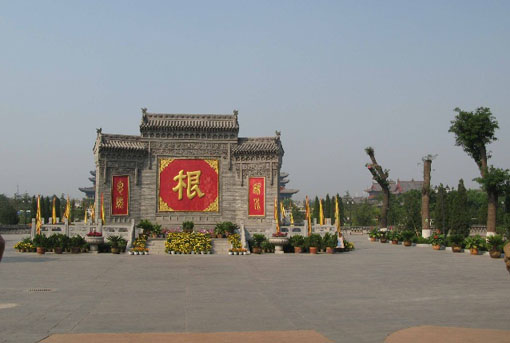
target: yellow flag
<point>321,213</point>
<point>337,216</point>
<point>85,217</point>
<point>308,216</point>
<point>102,209</point>
<point>276,215</point>
<point>93,213</point>
<point>282,210</point>
<point>38,221</point>
<point>67,213</point>
<point>53,213</point>
<point>291,219</point>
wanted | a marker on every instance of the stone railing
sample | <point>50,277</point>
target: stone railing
<point>126,230</point>
<point>14,229</point>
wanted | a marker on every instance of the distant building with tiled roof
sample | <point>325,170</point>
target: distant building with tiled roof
<point>90,192</point>
<point>284,192</point>
<point>396,188</point>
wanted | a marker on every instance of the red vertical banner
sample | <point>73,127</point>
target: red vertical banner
<point>257,196</point>
<point>120,195</point>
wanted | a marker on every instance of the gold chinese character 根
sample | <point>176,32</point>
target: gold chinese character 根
<point>119,203</point>
<point>256,188</point>
<point>120,187</point>
<point>256,204</point>
<point>191,186</point>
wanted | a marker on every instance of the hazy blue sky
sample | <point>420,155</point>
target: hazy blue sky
<point>333,76</point>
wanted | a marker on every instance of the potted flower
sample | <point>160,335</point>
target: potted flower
<point>495,244</point>
<point>314,242</point>
<point>394,237</point>
<point>437,240</point>
<point>115,243</point>
<point>60,243</point>
<point>407,236</point>
<point>373,234</point>
<point>188,226</point>
<point>474,244</point>
<point>383,236</point>
<point>256,242</point>
<point>40,242</point>
<point>76,243</point>
<point>267,246</point>
<point>456,241</point>
<point>331,243</point>
<point>297,242</point>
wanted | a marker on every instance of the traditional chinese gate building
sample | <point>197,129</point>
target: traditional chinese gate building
<point>188,167</point>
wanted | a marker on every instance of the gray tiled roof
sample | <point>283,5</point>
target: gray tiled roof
<point>126,142</point>
<point>257,145</point>
<point>221,122</point>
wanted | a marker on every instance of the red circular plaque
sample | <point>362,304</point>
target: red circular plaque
<point>196,180</point>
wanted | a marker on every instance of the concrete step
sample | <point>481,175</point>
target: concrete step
<point>220,246</point>
<point>156,246</point>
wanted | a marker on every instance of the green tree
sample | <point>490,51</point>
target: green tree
<point>477,206</point>
<point>327,207</point>
<point>411,205</point>
<point>57,206</point>
<point>396,213</point>
<point>33,207</point>
<point>459,221</point>
<point>8,214</point>
<point>364,214</point>
<point>473,132</point>
<point>441,210</point>
<point>381,177</point>
<point>316,209</point>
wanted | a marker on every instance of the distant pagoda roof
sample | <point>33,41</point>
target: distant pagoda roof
<point>189,122</point>
<point>288,191</point>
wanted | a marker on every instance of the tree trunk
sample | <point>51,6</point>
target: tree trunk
<point>491,213</point>
<point>383,222</point>
<point>425,196</point>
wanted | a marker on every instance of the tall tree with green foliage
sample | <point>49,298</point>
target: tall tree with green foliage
<point>381,177</point>
<point>327,207</point>
<point>57,206</point>
<point>8,214</point>
<point>459,221</point>
<point>365,214</point>
<point>441,210</point>
<point>316,209</point>
<point>473,132</point>
<point>33,207</point>
<point>411,205</point>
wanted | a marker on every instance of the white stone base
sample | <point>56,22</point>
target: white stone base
<point>489,234</point>
<point>426,233</point>
<point>278,252</point>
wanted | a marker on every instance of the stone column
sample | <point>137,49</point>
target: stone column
<point>33,229</point>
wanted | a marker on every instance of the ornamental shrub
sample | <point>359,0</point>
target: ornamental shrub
<point>188,226</point>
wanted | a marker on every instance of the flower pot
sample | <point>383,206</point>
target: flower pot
<point>408,243</point>
<point>313,250</point>
<point>330,250</point>
<point>58,250</point>
<point>384,240</point>
<point>230,253</point>
<point>298,250</point>
<point>131,253</point>
<point>75,250</point>
<point>495,253</point>
<point>456,248</point>
<point>257,250</point>
<point>41,250</point>
<point>395,241</point>
<point>373,239</point>
<point>474,251</point>
<point>436,247</point>
<point>115,250</point>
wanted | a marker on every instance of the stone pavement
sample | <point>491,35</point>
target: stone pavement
<point>360,296</point>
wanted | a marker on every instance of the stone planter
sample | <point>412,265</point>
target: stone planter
<point>94,242</point>
<point>279,243</point>
<point>495,253</point>
<point>313,250</point>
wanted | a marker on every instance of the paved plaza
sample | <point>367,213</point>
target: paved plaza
<point>360,296</point>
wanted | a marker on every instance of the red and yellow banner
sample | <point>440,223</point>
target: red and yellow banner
<point>188,185</point>
<point>120,195</point>
<point>257,196</point>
